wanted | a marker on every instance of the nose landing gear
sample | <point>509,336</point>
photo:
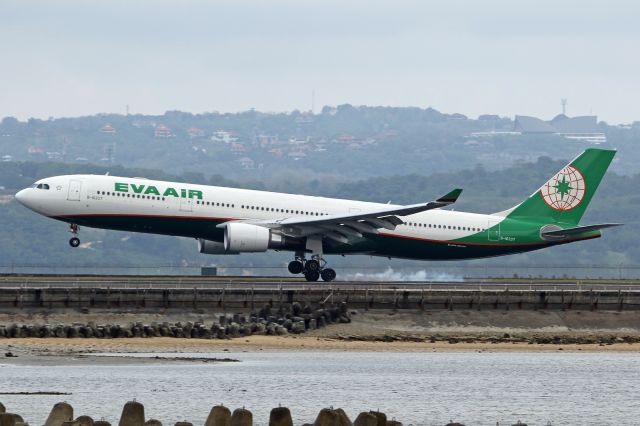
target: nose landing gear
<point>74,241</point>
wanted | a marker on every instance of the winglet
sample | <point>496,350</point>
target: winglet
<point>451,197</point>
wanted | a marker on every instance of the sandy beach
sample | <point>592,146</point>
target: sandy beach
<point>63,351</point>
<point>443,331</point>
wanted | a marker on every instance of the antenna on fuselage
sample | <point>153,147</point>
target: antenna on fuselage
<point>107,174</point>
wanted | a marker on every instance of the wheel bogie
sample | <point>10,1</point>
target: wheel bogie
<point>328,274</point>
<point>74,242</point>
<point>295,267</point>
<point>312,275</point>
<point>312,265</point>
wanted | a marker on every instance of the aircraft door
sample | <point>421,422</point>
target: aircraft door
<point>186,204</point>
<point>493,229</point>
<point>74,190</point>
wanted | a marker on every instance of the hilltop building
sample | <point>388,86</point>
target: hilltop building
<point>195,132</point>
<point>222,136</point>
<point>578,128</point>
<point>108,129</point>
<point>163,132</point>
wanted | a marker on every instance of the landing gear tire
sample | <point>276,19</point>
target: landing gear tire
<point>74,242</point>
<point>312,275</point>
<point>328,274</point>
<point>295,267</point>
<point>312,266</point>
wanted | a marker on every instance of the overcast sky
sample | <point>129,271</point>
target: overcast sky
<point>71,58</point>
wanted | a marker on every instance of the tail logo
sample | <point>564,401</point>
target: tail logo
<point>565,190</point>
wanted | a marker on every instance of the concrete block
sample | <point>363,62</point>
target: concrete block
<point>60,413</point>
<point>241,417</point>
<point>7,419</point>
<point>83,421</point>
<point>327,417</point>
<point>366,419</point>
<point>343,419</point>
<point>382,418</point>
<point>219,416</point>
<point>152,422</point>
<point>132,414</point>
<point>280,416</point>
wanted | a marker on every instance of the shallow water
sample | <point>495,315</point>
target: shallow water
<point>415,388</point>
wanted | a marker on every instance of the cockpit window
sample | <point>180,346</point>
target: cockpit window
<point>40,186</point>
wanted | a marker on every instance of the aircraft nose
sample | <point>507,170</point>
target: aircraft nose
<point>21,196</point>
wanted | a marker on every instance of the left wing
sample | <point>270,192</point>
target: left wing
<point>342,227</point>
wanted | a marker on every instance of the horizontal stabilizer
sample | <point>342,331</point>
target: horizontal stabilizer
<point>552,232</point>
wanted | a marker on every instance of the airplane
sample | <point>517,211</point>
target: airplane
<point>231,221</point>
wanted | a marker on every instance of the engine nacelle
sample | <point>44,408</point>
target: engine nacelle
<point>212,247</point>
<point>247,238</point>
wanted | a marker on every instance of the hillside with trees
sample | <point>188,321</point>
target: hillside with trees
<point>341,142</point>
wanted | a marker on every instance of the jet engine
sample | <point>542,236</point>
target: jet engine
<point>212,247</point>
<point>247,238</point>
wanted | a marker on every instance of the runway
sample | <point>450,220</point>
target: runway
<point>297,284</point>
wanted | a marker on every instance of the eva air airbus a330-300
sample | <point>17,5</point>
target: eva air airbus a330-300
<point>232,221</point>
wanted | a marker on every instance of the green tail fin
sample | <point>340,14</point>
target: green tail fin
<point>565,197</point>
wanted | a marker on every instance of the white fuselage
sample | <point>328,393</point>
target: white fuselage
<point>76,196</point>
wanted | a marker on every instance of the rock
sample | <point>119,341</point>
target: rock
<point>132,414</point>
<point>519,424</point>
<point>60,413</point>
<point>280,330</point>
<point>313,324</point>
<point>327,417</point>
<point>296,309</point>
<point>280,416</point>
<point>298,327</point>
<point>393,423</point>
<point>382,418</point>
<point>83,421</point>
<point>234,329</point>
<point>152,422</point>
<point>2,409</point>
<point>454,424</point>
<point>101,423</point>
<point>219,416</point>
<point>366,419</point>
<point>261,329</point>
<point>241,417</point>
<point>184,424</point>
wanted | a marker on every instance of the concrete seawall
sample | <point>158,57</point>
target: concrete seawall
<point>114,293</point>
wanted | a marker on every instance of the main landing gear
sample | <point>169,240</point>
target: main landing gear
<point>74,241</point>
<point>313,269</point>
